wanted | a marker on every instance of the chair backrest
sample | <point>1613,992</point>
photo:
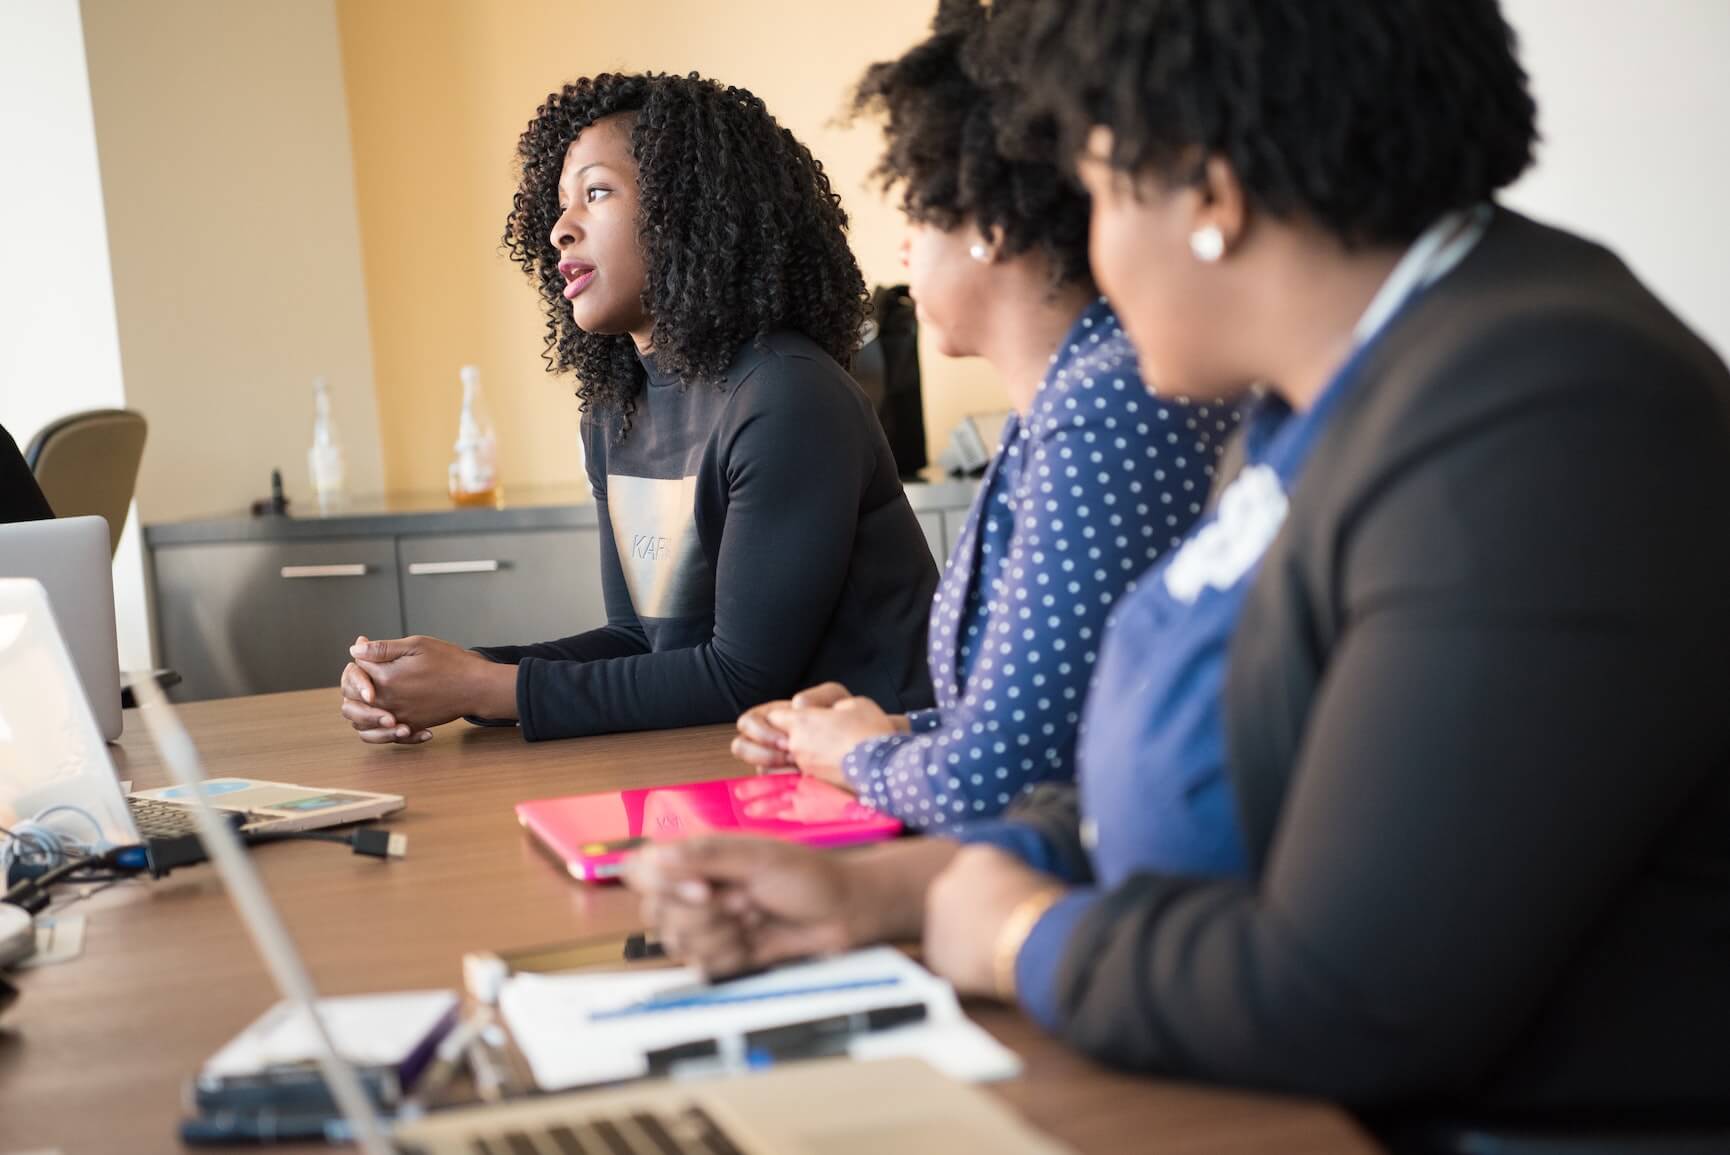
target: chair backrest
<point>87,463</point>
<point>887,369</point>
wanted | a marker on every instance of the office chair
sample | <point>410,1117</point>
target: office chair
<point>887,369</point>
<point>87,463</point>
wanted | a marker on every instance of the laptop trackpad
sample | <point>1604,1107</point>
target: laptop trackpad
<point>842,1107</point>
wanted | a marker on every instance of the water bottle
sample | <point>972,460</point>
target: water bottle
<point>474,477</point>
<point>324,460</point>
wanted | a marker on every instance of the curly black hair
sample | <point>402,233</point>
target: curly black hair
<point>1370,118</point>
<point>740,231</point>
<point>957,155</point>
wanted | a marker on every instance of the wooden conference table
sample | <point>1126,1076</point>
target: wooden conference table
<point>94,1054</point>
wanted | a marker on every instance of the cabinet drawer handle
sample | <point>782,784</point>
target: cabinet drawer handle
<point>438,567</point>
<point>324,571</point>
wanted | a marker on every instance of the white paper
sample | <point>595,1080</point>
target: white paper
<point>368,1030</point>
<point>551,1017</point>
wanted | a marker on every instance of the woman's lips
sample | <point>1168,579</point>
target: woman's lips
<point>578,283</point>
<point>577,275</point>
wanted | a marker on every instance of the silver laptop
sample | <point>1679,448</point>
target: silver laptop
<point>823,1107</point>
<point>54,764</point>
<point>71,558</point>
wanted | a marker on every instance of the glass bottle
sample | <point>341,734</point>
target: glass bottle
<point>474,477</point>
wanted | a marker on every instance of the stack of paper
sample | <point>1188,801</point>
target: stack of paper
<point>580,1029</point>
<point>368,1030</point>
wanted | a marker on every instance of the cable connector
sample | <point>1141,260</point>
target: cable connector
<point>165,854</point>
<point>371,841</point>
<point>379,843</point>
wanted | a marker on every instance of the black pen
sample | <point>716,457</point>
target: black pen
<point>811,1039</point>
<point>829,1036</point>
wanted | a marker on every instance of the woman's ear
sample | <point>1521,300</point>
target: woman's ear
<point>987,245</point>
<point>1220,211</point>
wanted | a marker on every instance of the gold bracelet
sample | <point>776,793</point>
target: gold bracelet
<point>1013,935</point>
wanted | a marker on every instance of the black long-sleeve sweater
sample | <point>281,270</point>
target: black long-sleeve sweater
<point>755,540</point>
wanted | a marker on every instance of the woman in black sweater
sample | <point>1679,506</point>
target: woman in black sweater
<point>692,260</point>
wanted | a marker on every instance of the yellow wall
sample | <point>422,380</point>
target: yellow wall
<point>439,90</point>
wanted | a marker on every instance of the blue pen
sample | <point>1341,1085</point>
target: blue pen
<point>724,996</point>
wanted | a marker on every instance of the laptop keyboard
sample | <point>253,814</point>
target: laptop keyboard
<point>162,819</point>
<point>684,1132</point>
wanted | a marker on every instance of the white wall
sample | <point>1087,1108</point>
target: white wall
<point>1634,105</point>
<point>59,347</point>
<point>59,342</point>
<point>229,182</point>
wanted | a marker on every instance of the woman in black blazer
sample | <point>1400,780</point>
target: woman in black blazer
<point>1472,708</point>
<point>20,497</point>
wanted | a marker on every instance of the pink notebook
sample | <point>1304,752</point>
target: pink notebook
<point>592,834</point>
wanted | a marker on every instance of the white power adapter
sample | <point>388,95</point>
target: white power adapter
<point>17,934</point>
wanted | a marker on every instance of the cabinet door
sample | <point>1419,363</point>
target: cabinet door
<point>931,521</point>
<point>502,588</point>
<point>258,617</point>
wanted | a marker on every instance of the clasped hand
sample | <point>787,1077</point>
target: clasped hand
<point>727,905</point>
<point>812,733</point>
<point>396,690</point>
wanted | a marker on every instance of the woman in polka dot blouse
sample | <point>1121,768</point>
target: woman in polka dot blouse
<point>1093,481</point>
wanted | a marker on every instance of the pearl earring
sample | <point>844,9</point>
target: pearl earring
<point>980,253</point>
<point>1207,243</point>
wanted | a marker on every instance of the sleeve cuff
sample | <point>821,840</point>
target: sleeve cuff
<point>924,721</point>
<point>1041,958</point>
<point>1018,839</point>
<point>860,768</point>
<point>526,718</point>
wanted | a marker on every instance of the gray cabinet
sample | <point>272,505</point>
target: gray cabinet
<point>931,522</point>
<point>502,588</point>
<point>251,605</point>
<point>942,528</point>
<point>258,617</point>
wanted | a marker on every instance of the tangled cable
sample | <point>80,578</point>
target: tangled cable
<point>34,843</point>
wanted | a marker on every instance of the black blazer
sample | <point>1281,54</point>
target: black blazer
<point>1478,722</point>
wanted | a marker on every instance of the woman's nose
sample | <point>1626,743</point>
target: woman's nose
<point>565,231</point>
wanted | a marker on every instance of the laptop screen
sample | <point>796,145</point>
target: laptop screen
<point>51,754</point>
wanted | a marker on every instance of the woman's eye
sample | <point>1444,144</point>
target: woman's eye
<point>590,196</point>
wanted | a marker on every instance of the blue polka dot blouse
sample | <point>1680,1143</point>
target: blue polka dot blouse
<point>1086,491</point>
